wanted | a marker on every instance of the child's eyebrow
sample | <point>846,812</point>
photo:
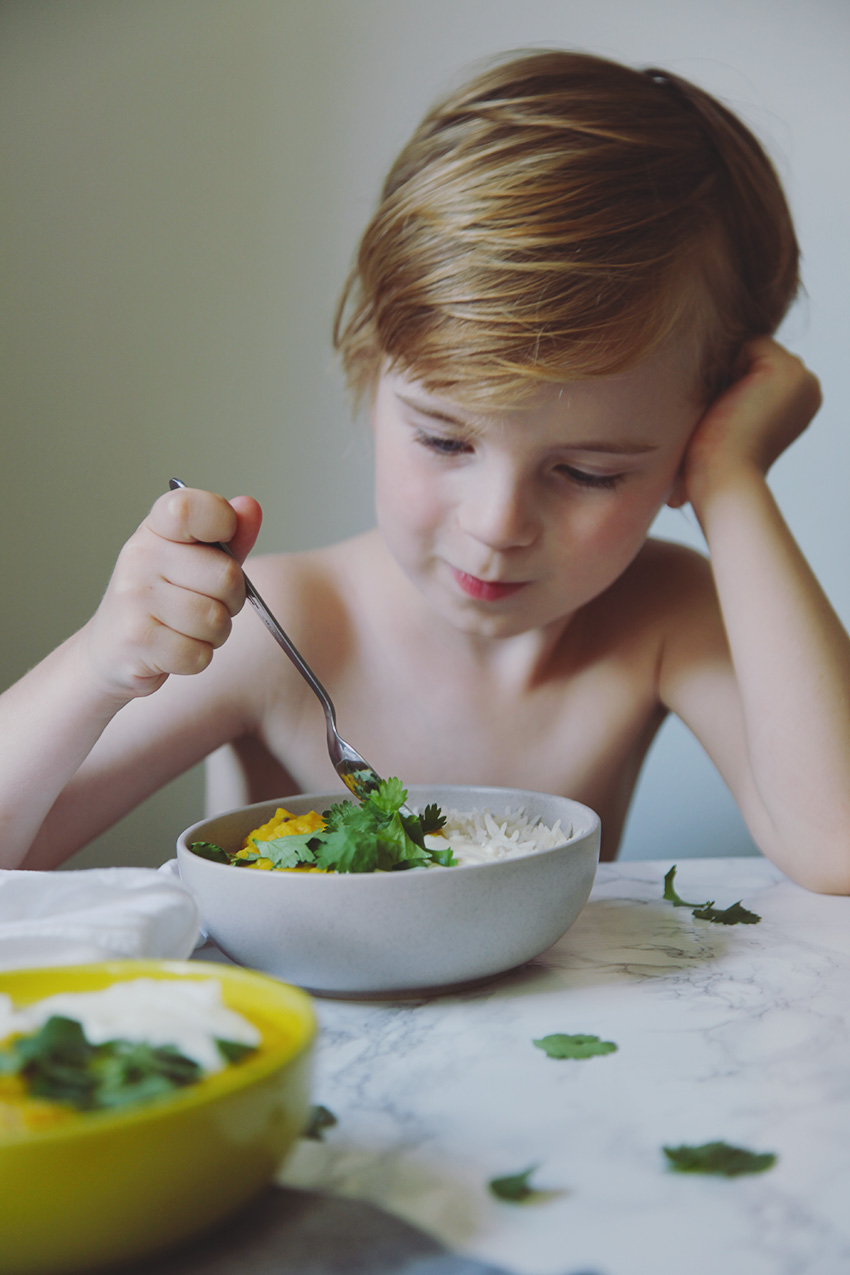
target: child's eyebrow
<point>613,447</point>
<point>621,447</point>
<point>435,413</point>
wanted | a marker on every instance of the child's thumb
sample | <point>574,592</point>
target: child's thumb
<point>249,517</point>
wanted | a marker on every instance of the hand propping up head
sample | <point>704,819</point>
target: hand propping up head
<point>749,426</point>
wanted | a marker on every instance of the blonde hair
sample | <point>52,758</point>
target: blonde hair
<point>558,217</point>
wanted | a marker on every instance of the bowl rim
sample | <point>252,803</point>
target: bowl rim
<point>573,842</point>
<point>88,1124</point>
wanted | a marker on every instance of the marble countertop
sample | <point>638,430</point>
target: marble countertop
<point>738,1033</point>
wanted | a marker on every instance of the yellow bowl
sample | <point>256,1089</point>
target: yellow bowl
<point>102,1188</point>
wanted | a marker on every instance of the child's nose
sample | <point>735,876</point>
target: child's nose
<point>499,512</point>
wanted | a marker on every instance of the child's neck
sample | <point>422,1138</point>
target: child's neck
<point>520,661</point>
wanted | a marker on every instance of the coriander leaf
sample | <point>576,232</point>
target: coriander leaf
<point>349,849</point>
<point>514,1187</point>
<point>372,837</point>
<point>233,1051</point>
<point>672,897</point>
<point>320,1119</point>
<point>397,842</point>
<point>559,1045</point>
<point>413,828</point>
<point>432,819</point>
<point>390,797</point>
<point>445,858</point>
<point>288,851</point>
<point>209,850</point>
<point>54,1062</point>
<point>128,1072</point>
<point>718,1158</point>
<point>58,1063</point>
<point>366,839</point>
<point>734,915</point>
<point>338,815</point>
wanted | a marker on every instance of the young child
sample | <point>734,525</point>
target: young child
<point>561,316</point>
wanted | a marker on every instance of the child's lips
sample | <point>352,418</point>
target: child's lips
<point>486,590</point>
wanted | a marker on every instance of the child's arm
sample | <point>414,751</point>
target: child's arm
<point>168,606</point>
<point>773,707</point>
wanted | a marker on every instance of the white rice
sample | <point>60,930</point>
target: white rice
<point>479,836</point>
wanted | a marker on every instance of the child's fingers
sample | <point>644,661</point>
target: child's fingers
<point>144,632</point>
<point>170,651</point>
<point>173,593</point>
<point>195,616</point>
<point>249,517</point>
<point>149,564</point>
<point>774,370</point>
<point>189,515</point>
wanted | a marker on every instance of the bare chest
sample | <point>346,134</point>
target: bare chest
<point>582,733</point>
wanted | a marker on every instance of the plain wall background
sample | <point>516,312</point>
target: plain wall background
<point>183,185</point>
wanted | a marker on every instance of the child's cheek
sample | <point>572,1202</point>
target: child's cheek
<point>405,499</point>
<point>614,526</point>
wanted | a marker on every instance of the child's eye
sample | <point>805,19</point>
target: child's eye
<point>599,481</point>
<point>441,444</point>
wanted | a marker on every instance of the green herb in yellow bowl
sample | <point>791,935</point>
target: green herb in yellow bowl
<point>111,1148</point>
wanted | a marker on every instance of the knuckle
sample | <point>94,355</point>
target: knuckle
<point>221,631</point>
<point>216,620</point>
<point>232,579</point>
<point>133,558</point>
<point>199,656</point>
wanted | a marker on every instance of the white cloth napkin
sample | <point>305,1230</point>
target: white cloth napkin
<point>94,914</point>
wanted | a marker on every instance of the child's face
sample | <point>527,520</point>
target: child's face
<point>510,521</point>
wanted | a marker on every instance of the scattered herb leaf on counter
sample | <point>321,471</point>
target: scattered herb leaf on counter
<point>672,897</point>
<point>733,915</point>
<point>560,1045</point>
<point>320,1119</point>
<point>373,836</point>
<point>718,1158</point>
<point>515,1187</point>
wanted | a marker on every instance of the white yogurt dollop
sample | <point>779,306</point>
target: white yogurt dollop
<point>189,1014</point>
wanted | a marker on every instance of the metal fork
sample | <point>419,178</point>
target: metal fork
<point>359,777</point>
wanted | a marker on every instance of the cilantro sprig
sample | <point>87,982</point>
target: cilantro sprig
<point>562,1045</point>
<point>735,914</point>
<point>59,1063</point>
<point>718,1158</point>
<point>320,1119</point>
<point>374,836</point>
<point>514,1187</point>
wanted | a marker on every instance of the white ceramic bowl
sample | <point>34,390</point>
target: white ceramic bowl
<point>361,934</point>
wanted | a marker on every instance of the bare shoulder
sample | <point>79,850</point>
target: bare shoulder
<point>315,594</point>
<point>693,645</point>
<point>317,576</point>
<point>666,586</point>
